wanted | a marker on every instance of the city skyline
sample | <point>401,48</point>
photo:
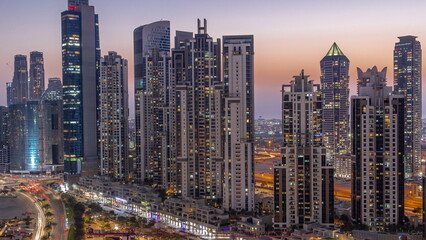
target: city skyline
<point>215,136</point>
<point>279,23</point>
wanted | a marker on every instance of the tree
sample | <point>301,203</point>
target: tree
<point>95,208</point>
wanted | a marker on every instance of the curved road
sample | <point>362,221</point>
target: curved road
<point>41,219</point>
<point>58,208</point>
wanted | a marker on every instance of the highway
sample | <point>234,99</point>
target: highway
<point>38,187</point>
<point>41,219</point>
<point>58,209</point>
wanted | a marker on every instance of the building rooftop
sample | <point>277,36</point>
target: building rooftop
<point>335,51</point>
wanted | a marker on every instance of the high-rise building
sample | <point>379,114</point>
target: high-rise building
<point>52,124</point>
<point>424,205</point>
<point>149,38</point>
<point>157,123</point>
<point>113,126</point>
<point>408,82</point>
<point>181,37</point>
<point>9,93</point>
<point>378,151</point>
<point>36,83</point>
<point>303,182</point>
<point>238,76</point>
<point>4,145</point>
<point>54,90</point>
<point>24,137</point>
<point>20,80</point>
<point>370,76</point>
<point>335,90</point>
<point>80,69</point>
<point>199,104</point>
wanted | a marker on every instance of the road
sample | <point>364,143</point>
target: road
<point>40,189</point>
<point>58,209</point>
<point>41,219</point>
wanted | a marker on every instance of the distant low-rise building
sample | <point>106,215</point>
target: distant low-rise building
<point>366,235</point>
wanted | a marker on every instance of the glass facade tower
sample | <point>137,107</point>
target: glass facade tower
<point>408,82</point>
<point>36,83</point>
<point>335,89</point>
<point>24,137</point>
<point>20,80</point>
<point>52,131</point>
<point>80,59</point>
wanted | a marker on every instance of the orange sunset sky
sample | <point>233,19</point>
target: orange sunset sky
<point>289,35</point>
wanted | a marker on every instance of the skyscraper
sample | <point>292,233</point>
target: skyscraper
<point>4,145</point>
<point>149,38</point>
<point>378,150</point>
<point>36,83</point>
<point>199,103</point>
<point>9,93</point>
<point>24,137</point>
<point>408,82</point>
<point>181,37</point>
<point>157,122</point>
<point>424,205</point>
<point>52,124</point>
<point>238,74</point>
<point>80,69</point>
<point>20,80</point>
<point>113,126</point>
<point>303,182</point>
<point>370,76</point>
<point>335,89</point>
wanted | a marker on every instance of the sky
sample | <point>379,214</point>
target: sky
<point>289,35</point>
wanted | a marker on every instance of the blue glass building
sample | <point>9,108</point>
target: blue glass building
<point>80,66</point>
<point>24,137</point>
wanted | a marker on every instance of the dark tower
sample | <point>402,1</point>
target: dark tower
<point>335,89</point>
<point>80,69</point>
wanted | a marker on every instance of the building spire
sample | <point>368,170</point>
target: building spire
<point>335,51</point>
<point>202,29</point>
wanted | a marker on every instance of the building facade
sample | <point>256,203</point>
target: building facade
<point>364,78</point>
<point>52,123</point>
<point>199,101</point>
<point>24,137</point>
<point>113,127</point>
<point>408,82</point>
<point>80,70</point>
<point>157,122</point>
<point>335,90</point>
<point>20,80</point>
<point>150,38</point>
<point>304,181</point>
<point>4,143</point>
<point>36,83</point>
<point>378,151</point>
<point>238,76</point>
<point>9,93</point>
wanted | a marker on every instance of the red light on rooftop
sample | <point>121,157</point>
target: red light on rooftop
<point>72,7</point>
